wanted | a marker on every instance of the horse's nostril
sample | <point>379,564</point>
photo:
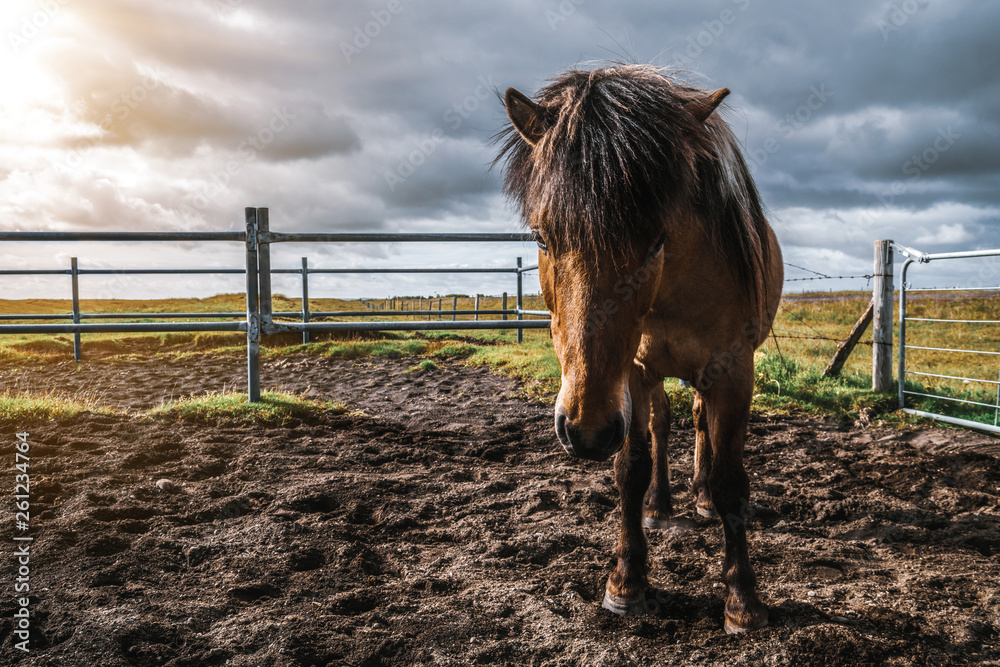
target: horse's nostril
<point>596,444</point>
<point>561,428</point>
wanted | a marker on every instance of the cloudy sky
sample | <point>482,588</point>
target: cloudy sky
<point>860,119</point>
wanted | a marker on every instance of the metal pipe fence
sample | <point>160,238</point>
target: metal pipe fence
<point>258,319</point>
<point>260,316</point>
<point>917,257</point>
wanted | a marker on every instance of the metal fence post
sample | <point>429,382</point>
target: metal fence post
<point>503,307</point>
<point>253,314</point>
<point>454,308</point>
<point>305,298</point>
<point>902,334</point>
<point>477,308</point>
<point>520,301</point>
<point>264,268</point>
<point>75,273</point>
<point>882,318</point>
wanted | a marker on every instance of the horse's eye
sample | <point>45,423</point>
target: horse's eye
<point>541,244</point>
<point>658,247</point>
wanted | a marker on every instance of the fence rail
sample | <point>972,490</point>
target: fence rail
<point>917,257</point>
<point>258,319</point>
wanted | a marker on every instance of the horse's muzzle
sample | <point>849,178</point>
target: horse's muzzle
<point>592,444</point>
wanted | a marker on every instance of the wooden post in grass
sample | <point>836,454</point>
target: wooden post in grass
<point>477,308</point>
<point>454,308</point>
<point>845,347</point>
<point>882,317</point>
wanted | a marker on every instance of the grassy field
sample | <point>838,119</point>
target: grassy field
<point>810,319</point>
<point>789,366</point>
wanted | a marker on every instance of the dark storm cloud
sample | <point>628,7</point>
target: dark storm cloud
<point>892,81</point>
<point>860,120</point>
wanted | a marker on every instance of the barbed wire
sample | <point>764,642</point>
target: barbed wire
<point>818,337</point>
<point>793,280</point>
<point>796,266</point>
<point>821,276</point>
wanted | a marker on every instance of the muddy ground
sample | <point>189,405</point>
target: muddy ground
<point>440,523</point>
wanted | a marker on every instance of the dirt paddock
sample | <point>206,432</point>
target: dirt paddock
<point>439,522</point>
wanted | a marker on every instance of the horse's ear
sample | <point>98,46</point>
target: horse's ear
<point>702,108</point>
<point>528,118</point>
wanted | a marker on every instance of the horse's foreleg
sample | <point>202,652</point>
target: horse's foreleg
<point>625,593</point>
<point>659,507</point>
<point>702,460</point>
<point>728,406</point>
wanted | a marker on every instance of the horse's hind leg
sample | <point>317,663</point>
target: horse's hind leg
<point>702,460</point>
<point>659,507</point>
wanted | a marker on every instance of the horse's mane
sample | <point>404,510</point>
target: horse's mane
<point>621,153</point>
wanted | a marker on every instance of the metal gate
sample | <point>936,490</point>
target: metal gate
<point>992,384</point>
<point>259,318</point>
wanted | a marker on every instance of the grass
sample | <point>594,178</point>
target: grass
<point>788,366</point>
<point>425,365</point>
<point>811,321</point>
<point>22,409</point>
<point>273,408</point>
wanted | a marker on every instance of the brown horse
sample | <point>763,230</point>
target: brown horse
<point>656,261</point>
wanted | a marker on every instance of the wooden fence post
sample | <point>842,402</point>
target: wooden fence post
<point>477,308</point>
<point>454,308</point>
<point>882,317</point>
<point>845,347</point>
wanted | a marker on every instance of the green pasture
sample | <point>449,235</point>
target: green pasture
<point>789,366</point>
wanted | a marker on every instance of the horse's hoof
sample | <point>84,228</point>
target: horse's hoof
<point>707,511</point>
<point>646,602</point>
<point>670,525</point>
<point>739,627</point>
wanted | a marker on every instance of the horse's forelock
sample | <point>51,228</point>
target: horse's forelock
<point>620,152</point>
